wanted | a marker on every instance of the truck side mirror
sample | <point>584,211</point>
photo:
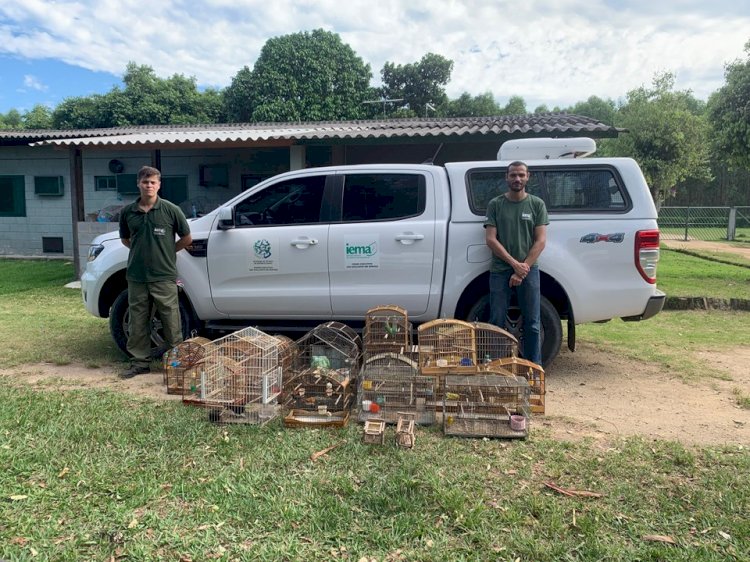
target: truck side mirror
<point>226,219</point>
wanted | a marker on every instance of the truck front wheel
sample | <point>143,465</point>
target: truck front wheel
<point>119,318</point>
<point>551,326</point>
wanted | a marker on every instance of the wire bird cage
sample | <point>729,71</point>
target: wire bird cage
<point>532,372</point>
<point>390,384</point>
<point>387,330</point>
<point>486,405</point>
<point>493,343</point>
<point>447,345</point>
<point>240,378</point>
<point>320,389</point>
<point>182,365</point>
<point>287,353</point>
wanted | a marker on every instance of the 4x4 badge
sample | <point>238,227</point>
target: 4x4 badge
<point>595,237</point>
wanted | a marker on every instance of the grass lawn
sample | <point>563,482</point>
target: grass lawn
<point>97,475</point>
<point>683,275</point>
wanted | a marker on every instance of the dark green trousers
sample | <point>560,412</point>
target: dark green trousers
<point>162,295</point>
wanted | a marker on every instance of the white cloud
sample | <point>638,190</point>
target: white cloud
<point>552,53</point>
<point>33,82</point>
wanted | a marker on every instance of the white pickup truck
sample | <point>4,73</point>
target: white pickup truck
<point>329,243</point>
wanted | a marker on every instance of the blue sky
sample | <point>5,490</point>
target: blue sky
<point>548,52</point>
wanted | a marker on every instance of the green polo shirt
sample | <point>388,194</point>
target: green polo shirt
<point>515,222</point>
<point>152,240</point>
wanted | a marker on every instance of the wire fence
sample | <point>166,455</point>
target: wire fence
<point>705,223</point>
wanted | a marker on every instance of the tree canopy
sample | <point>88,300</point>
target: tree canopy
<point>729,113</point>
<point>667,135</point>
<point>419,83</point>
<point>306,76</point>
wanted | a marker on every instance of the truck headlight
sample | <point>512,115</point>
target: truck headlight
<point>94,251</point>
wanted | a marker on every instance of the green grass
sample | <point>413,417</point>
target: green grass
<point>42,321</point>
<point>95,475</point>
<point>92,475</point>
<point>683,275</point>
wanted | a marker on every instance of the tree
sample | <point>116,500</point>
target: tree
<point>596,108</point>
<point>667,135</point>
<point>145,100</point>
<point>310,76</point>
<point>39,117</point>
<point>237,97</point>
<point>418,84</point>
<point>516,106</point>
<point>729,114</point>
<point>11,120</point>
<point>465,105</point>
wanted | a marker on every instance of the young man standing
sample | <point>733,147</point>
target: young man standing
<point>148,227</point>
<point>516,232</point>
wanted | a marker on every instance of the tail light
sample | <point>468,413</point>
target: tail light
<point>647,253</point>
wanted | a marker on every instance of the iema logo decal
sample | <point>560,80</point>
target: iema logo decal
<point>262,249</point>
<point>361,250</point>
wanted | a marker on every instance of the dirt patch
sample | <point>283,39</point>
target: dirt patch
<point>589,394</point>
<point>696,245</point>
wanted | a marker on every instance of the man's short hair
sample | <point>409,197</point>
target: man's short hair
<point>147,172</point>
<point>518,163</point>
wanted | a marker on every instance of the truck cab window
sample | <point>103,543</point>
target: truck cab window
<point>295,201</point>
<point>373,197</point>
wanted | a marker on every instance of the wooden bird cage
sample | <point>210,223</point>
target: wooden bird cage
<point>486,405</point>
<point>240,379</point>
<point>390,384</point>
<point>374,432</point>
<point>287,353</point>
<point>405,430</point>
<point>447,346</point>
<point>182,365</point>
<point>318,397</point>
<point>387,330</point>
<point>332,345</point>
<point>493,343</point>
<point>532,372</point>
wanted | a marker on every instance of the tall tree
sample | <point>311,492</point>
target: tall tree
<point>11,120</point>
<point>310,76</point>
<point>729,113</point>
<point>465,105</point>
<point>38,117</point>
<point>418,84</point>
<point>667,135</point>
<point>515,106</point>
<point>596,108</point>
<point>237,97</point>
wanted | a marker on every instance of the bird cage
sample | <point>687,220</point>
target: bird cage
<point>405,430</point>
<point>374,432</point>
<point>287,353</point>
<point>447,345</point>
<point>387,329</point>
<point>532,372</point>
<point>318,397</point>
<point>493,343</point>
<point>486,405</point>
<point>182,364</point>
<point>390,383</point>
<point>240,378</point>
<point>320,388</point>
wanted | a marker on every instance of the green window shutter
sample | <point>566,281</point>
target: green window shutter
<point>49,185</point>
<point>174,188</point>
<point>127,184</point>
<point>12,196</point>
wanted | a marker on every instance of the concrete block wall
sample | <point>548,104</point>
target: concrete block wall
<point>46,216</point>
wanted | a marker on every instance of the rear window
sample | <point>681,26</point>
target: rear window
<point>563,190</point>
<point>376,197</point>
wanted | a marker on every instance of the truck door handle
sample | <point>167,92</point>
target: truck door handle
<point>303,242</point>
<point>409,238</point>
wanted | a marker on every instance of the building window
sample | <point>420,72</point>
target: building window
<point>12,196</point>
<point>105,183</point>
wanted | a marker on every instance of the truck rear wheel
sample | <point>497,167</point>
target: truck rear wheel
<point>119,318</point>
<point>551,326</point>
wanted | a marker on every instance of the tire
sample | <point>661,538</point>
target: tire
<point>118,325</point>
<point>551,333</point>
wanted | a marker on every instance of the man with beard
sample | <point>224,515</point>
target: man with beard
<point>516,232</point>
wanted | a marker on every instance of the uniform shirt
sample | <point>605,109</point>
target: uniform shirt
<point>515,222</point>
<point>152,240</point>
